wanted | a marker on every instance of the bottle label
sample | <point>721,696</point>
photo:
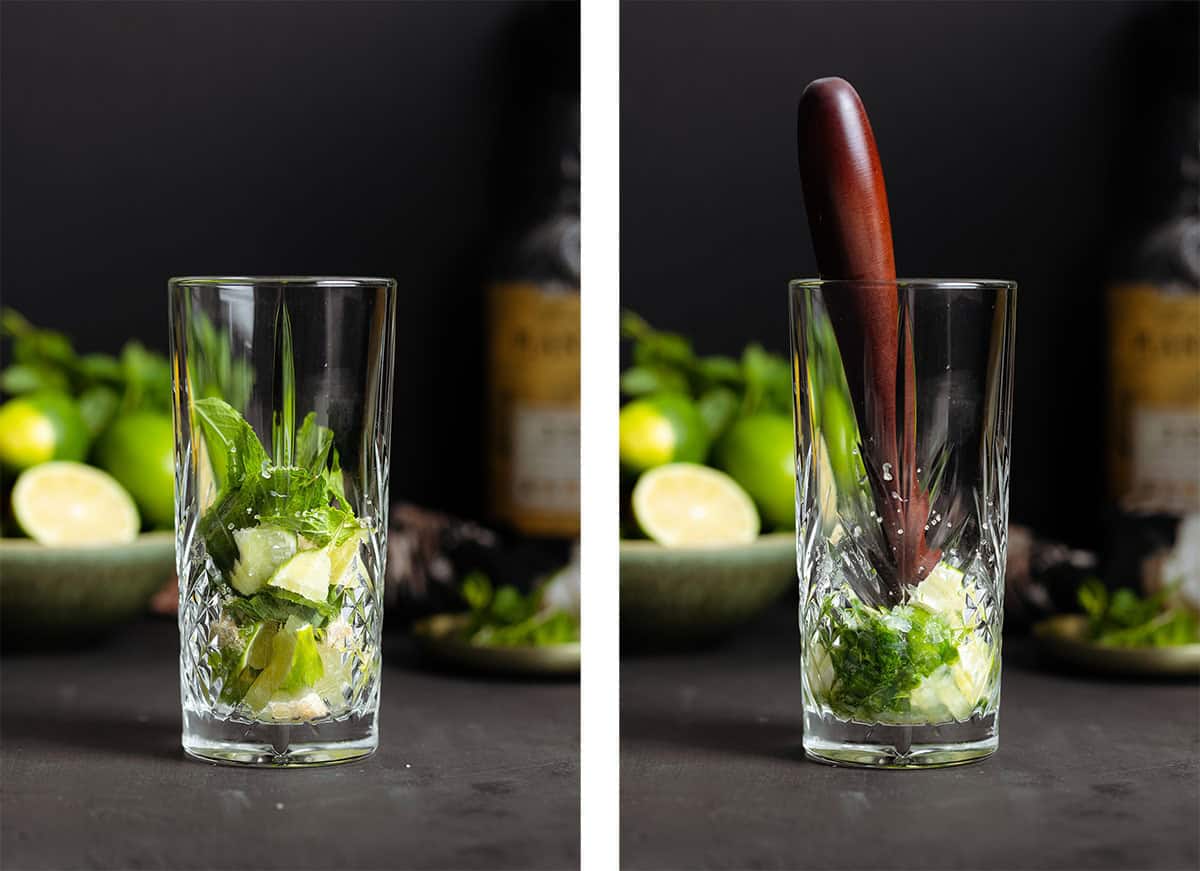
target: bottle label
<point>1154,413</point>
<point>533,403</point>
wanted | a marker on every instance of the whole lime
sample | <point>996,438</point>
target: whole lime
<point>757,452</point>
<point>139,451</point>
<point>660,429</point>
<point>41,427</point>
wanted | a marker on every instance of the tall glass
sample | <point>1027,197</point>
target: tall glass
<point>283,394</point>
<point>903,399</point>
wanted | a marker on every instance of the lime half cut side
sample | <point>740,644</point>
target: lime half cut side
<point>688,505</point>
<point>69,504</point>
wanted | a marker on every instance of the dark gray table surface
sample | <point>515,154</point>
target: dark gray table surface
<point>1091,773</point>
<point>471,773</point>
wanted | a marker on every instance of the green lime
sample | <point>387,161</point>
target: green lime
<point>139,451</point>
<point>660,429</point>
<point>684,504</point>
<point>67,503</point>
<point>295,664</point>
<point>758,451</point>
<point>261,550</point>
<point>306,574</point>
<point>41,427</point>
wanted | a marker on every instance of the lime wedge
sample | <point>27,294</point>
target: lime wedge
<point>307,667</point>
<point>306,574</point>
<point>260,647</point>
<point>346,567</point>
<point>684,504</point>
<point>283,646</point>
<point>943,593</point>
<point>67,503</point>
<point>261,550</point>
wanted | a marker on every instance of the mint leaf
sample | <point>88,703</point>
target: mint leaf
<point>336,483</point>
<point>322,525</point>
<point>29,377</point>
<point>233,446</point>
<point>718,407</point>
<point>477,590</point>
<point>269,606</point>
<point>313,444</point>
<point>98,405</point>
<point>644,380</point>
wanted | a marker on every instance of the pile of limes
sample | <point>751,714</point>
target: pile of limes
<point>86,443</point>
<point>706,442</point>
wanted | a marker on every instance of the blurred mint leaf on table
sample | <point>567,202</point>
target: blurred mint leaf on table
<point>1122,618</point>
<point>506,617</point>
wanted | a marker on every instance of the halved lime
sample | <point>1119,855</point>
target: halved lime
<point>307,574</point>
<point>66,503</point>
<point>684,504</point>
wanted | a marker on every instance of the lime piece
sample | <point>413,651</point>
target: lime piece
<point>973,672</point>
<point>307,667</point>
<point>39,428</point>
<point>333,685</point>
<point>65,503</point>
<point>295,664</point>
<point>660,429</point>
<point>943,593</point>
<point>139,451</point>
<point>306,574</point>
<point>260,647</point>
<point>759,453</point>
<point>684,504</point>
<point>261,550</point>
<point>346,566</point>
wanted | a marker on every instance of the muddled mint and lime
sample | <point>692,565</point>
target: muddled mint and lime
<point>922,661</point>
<point>285,542</point>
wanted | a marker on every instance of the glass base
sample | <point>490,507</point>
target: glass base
<point>271,745</point>
<point>878,745</point>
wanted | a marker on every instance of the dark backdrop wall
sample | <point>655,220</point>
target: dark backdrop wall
<point>1007,133</point>
<point>145,140</point>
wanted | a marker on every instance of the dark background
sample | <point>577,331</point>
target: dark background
<point>1014,139</point>
<point>146,140</point>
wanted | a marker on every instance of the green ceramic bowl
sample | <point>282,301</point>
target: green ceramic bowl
<point>673,597</point>
<point>56,595</point>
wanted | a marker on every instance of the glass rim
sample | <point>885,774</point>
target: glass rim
<point>911,283</point>
<point>279,280</point>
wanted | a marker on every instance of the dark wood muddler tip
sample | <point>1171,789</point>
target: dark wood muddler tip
<point>843,185</point>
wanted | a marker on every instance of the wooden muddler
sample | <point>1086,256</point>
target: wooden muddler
<point>851,229</point>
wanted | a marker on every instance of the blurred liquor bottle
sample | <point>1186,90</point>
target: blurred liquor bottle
<point>533,348</point>
<point>1154,377</point>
